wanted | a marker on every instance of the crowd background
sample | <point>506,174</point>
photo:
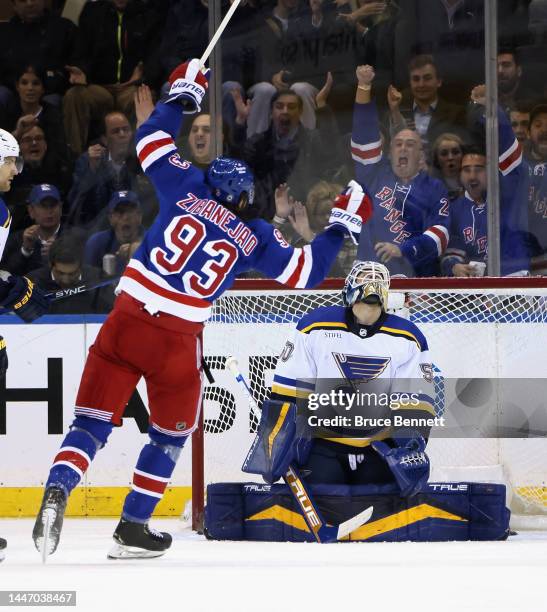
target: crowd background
<point>72,91</point>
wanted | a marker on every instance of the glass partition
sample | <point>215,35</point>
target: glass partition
<point>311,94</point>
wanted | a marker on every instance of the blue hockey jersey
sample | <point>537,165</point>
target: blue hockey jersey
<point>5,222</point>
<point>196,247</point>
<point>536,196</point>
<point>413,215</point>
<point>469,221</point>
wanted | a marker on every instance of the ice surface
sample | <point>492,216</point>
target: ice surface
<point>197,575</point>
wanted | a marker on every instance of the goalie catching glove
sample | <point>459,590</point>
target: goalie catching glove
<point>189,83</point>
<point>351,210</point>
<point>22,296</point>
<point>407,461</point>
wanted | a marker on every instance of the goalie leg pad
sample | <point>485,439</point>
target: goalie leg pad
<point>281,439</point>
<point>441,512</point>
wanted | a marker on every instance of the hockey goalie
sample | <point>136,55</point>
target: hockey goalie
<point>352,454</point>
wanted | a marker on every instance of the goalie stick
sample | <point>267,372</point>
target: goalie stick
<point>322,532</point>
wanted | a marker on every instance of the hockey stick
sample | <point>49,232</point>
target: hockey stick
<point>60,294</point>
<point>218,33</point>
<point>322,532</point>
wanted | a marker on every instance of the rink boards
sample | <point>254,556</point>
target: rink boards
<point>47,359</point>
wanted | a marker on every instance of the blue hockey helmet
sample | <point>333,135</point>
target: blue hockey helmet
<point>368,281</point>
<point>231,182</point>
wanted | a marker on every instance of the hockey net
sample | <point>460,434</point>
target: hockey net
<point>482,328</point>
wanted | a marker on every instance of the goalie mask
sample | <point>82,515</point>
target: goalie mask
<point>9,147</point>
<point>231,182</point>
<point>368,282</point>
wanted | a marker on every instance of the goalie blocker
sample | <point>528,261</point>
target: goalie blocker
<point>440,512</point>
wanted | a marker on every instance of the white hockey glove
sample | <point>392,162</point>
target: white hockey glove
<point>189,83</point>
<point>351,210</point>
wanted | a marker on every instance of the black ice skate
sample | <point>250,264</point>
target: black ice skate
<point>3,545</point>
<point>138,541</point>
<point>49,522</point>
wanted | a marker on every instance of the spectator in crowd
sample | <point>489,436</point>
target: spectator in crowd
<point>375,26</point>
<point>41,166</point>
<point>468,244</point>
<point>537,24</point>
<point>107,166</point>
<point>538,134</point>
<point>28,249</point>
<point>287,152</point>
<point>277,51</point>
<point>65,270</point>
<point>118,37</point>
<point>453,32</point>
<point>512,88</point>
<point>536,189</point>
<point>447,161</point>
<point>186,35</point>
<point>304,222</point>
<point>32,34</point>
<point>408,231</point>
<point>32,109</point>
<point>199,142</point>
<point>123,237</point>
<point>422,109</point>
<point>318,41</point>
<point>520,122</point>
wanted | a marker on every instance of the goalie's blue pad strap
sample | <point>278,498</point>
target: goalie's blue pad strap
<point>442,512</point>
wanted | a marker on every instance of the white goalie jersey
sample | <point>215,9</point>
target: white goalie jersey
<point>390,356</point>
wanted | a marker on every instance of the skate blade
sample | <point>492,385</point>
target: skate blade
<point>46,546</point>
<point>121,551</point>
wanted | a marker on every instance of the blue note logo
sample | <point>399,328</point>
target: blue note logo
<point>360,368</point>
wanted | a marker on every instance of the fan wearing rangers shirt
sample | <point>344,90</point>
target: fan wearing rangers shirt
<point>408,230</point>
<point>468,244</point>
<point>191,254</point>
<point>376,353</point>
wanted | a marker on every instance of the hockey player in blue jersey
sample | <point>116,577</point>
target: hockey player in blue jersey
<point>362,344</point>
<point>468,242</point>
<point>408,231</point>
<point>17,293</point>
<point>203,236</point>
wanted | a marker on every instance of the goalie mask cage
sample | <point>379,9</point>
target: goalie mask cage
<point>476,328</point>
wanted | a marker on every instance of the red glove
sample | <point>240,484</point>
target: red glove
<point>189,83</point>
<point>351,210</point>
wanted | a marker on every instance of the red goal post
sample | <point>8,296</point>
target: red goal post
<point>476,328</point>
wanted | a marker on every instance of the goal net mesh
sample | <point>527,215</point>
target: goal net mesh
<point>472,334</point>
